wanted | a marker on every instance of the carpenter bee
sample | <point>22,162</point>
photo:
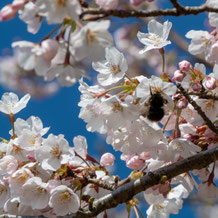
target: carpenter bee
<point>155,107</point>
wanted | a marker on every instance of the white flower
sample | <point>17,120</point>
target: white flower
<point>29,15</point>
<point>13,206</point>
<point>4,194</point>
<point>81,148</point>
<point>29,140</point>
<point>213,17</point>
<point>14,148</point>
<point>8,165</point>
<point>94,115</point>
<point>112,69</point>
<point>36,56</point>
<point>10,104</point>
<point>200,42</point>
<point>181,147</point>
<point>207,190</point>
<point>136,137</point>
<point>54,152</point>
<point>66,74</point>
<point>157,36</point>
<point>33,124</point>
<point>91,41</point>
<point>35,194</point>
<point>55,10</point>
<point>155,84</point>
<point>64,201</point>
<point>18,179</point>
<point>107,4</point>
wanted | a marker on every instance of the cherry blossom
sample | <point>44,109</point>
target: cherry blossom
<point>10,104</point>
<point>35,194</point>
<point>112,69</point>
<point>64,201</point>
<point>107,4</point>
<point>156,37</point>
<point>55,11</point>
<point>91,40</point>
<point>54,152</point>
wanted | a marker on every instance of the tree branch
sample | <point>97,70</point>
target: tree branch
<point>204,95</point>
<point>128,191</point>
<point>198,109</point>
<point>145,13</point>
<point>103,184</point>
<point>177,5</point>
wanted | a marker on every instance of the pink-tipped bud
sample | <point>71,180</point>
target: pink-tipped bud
<point>136,2</point>
<point>107,160</point>
<point>31,158</point>
<point>210,83</point>
<point>18,4</point>
<point>135,163</point>
<point>50,48</point>
<point>179,75</point>
<point>213,33</point>
<point>185,66</point>
<point>107,4</point>
<point>7,13</point>
<point>182,103</point>
<point>196,87</point>
<point>145,155</point>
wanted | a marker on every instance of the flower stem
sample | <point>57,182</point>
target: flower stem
<point>161,50</point>
<point>82,159</point>
<point>139,211</point>
<point>129,78</point>
<point>51,33</point>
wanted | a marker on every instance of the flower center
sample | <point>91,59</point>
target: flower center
<point>40,190</point>
<point>117,107</point>
<point>91,36</point>
<point>115,69</point>
<point>65,196</point>
<point>60,3</point>
<point>56,152</point>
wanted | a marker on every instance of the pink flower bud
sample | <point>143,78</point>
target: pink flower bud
<point>136,2</point>
<point>18,4</point>
<point>213,33</point>
<point>135,163</point>
<point>182,103</point>
<point>179,75</point>
<point>196,87</point>
<point>107,4</point>
<point>7,13</point>
<point>145,155</point>
<point>107,160</point>
<point>31,158</point>
<point>50,48</point>
<point>210,83</point>
<point>185,65</point>
<point>189,136</point>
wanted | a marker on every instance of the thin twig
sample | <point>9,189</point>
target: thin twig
<point>103,184</point>
<point>198,109</point>
<point>147,13</point>
<point>204,95</point>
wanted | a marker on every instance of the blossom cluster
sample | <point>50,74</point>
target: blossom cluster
<point>152,121</point>
<point>120,107</point>
<point>63,54</point>
<point>37,173</point>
